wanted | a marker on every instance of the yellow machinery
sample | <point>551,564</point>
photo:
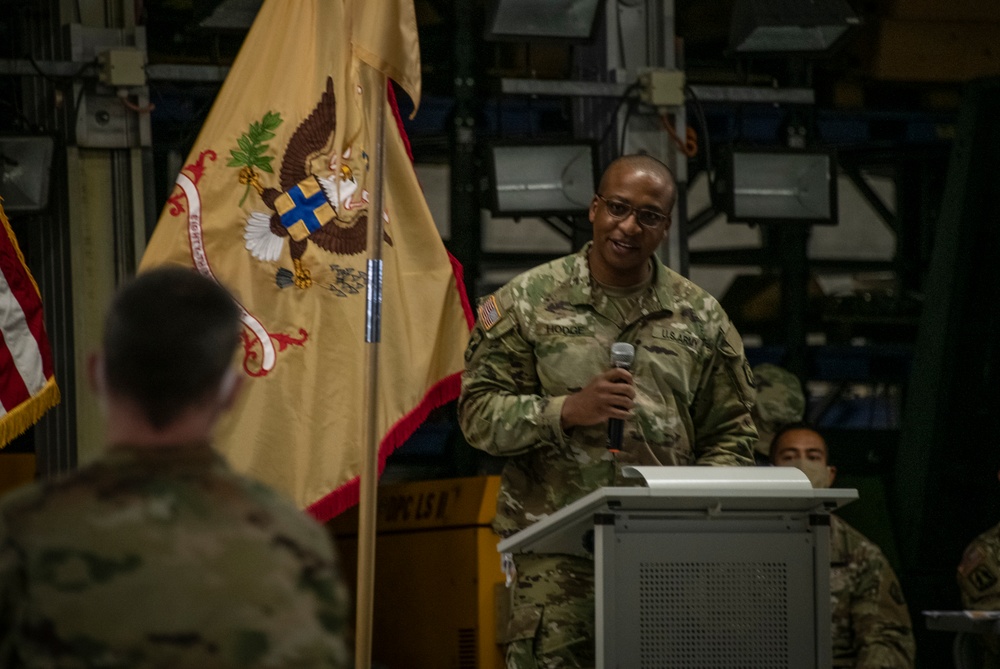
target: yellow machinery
<point>437,574</point>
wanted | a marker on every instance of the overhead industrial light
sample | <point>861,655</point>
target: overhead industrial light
<point>25,171</point>
<point>765,186</point>
<point>789,26</point>
<point>542,179</point>
<point>526,19</point>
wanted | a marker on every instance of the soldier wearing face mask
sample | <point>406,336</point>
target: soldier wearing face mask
<point>871,625</point>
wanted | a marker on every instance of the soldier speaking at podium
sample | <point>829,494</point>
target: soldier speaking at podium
<point>540,388</point>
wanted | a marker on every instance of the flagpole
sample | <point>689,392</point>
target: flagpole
<point>368,498</point>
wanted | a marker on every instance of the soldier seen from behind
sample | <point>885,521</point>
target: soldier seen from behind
<point>157,554</point>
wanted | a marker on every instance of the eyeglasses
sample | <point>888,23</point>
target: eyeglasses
<point>619,211</point>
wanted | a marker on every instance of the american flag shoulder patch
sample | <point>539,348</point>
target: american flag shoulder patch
<point>489,312</point>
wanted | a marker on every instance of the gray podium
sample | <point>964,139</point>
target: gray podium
<point>703,567</point>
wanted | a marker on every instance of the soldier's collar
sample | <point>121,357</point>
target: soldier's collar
<point>661,285</point>
<point>578,289</point>
<point>195,452</point>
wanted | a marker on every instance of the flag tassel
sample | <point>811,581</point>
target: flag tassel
<point>26,414</point>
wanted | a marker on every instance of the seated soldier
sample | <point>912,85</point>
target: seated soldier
<point>979,585</point>
<point>871,624</point>
<point>157,554</point>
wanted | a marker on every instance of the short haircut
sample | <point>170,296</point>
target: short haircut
<point>788,427</point>
<point>644,161</point>
<point>169,337</point>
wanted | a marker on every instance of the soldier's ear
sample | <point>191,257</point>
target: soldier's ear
<point>98,379</point>
<point>95,374</point>
<point>229,388</point>
<point>833,474</point>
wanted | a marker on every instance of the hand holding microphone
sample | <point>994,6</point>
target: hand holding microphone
<point>622,355</point>
<point>608,396</point>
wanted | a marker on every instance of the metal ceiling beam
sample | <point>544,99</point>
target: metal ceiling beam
<point>74,70</point>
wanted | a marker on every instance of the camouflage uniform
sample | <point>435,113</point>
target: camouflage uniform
<point>545,335</point>
<point>780,401</point>
<point>551,623</point>
<point>979,573</point>
<point>979,584</point>
<point>871,624</point>
<point>164,557</point>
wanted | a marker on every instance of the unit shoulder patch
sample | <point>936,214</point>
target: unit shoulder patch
<point>982,578</point>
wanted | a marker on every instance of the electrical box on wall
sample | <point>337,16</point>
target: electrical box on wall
<point>661,88</point>
<point>122,67</point>
<point>103,119</point>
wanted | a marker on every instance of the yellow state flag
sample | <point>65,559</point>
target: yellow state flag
<point>274,204</point>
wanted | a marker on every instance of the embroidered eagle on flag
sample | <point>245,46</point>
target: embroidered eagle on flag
<point>318,200</point>
<point>273,203</point>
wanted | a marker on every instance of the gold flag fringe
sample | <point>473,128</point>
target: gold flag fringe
<point>27,413</point>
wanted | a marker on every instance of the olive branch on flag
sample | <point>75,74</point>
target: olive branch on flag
<point>251,152</point>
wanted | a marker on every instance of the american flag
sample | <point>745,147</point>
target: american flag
<point>27,381</point>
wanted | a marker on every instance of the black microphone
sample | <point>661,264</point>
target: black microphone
<point>622,355</point>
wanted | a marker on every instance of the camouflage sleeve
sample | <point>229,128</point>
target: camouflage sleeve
<point>879,615</point>
<point>501,408</point>
<point>979,572</point>
<point>332,606</point>
<point>320,584</point>
<point>724,430</point>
